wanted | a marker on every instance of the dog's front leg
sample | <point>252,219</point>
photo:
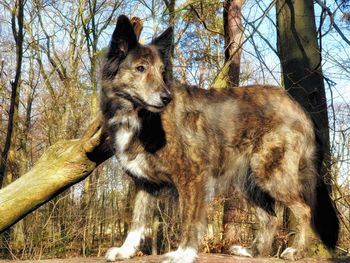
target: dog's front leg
<point>143,208</point>
<point>193,214</point>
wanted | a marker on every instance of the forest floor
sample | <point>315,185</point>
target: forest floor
<point>203,258</point>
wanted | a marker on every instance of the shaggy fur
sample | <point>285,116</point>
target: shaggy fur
<point>199,141</point>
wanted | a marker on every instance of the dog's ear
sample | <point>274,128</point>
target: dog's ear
<point>123,38</point>
<point>164,43</point>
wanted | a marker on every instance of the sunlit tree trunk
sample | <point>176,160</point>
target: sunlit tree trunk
<point>233,204</point>
<point>233,38</point>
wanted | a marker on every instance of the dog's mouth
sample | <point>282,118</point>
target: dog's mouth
<point>151,107</point>
<point>138,102</point>
<point>154,108</point>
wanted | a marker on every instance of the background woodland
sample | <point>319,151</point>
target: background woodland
<point>50,53</point>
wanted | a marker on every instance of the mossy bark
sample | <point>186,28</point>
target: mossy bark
<point>221,81</point>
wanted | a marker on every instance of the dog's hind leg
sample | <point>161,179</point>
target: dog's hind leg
<point>144,205</point>
<point>262,243</point>
<point>302,213</point>
<point>300,200</point>
<point>284,181</point>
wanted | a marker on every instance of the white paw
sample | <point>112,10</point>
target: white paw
<point>181,255</point>
<point>241,251</point>
<point>290,253</point>
<point>119,253</point>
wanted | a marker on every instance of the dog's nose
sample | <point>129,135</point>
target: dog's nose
<point>165,97</point>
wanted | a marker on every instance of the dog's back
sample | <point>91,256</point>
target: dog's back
<point>257,138</point>
<point>219,128</point>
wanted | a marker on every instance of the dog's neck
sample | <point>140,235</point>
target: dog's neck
<point>123,117</point>
<point>119,112</point>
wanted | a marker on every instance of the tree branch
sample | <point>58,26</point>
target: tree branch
<point>331,15</point>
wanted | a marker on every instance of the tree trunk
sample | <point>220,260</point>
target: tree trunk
<point>7,157</point>
<point>233,203</point>
<point>169,74</point>
<point>301,60</point>
<point>301,66</point>
<point>17,31</point>
<point>233,38</point>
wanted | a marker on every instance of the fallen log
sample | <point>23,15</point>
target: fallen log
<point>62,165</point>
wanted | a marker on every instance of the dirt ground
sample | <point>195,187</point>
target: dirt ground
<point>203,258</point>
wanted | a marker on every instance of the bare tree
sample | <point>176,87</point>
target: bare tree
<point>17,31</point>
<point>7,157</point>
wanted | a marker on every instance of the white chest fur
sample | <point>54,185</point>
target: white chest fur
<point>123,137</point>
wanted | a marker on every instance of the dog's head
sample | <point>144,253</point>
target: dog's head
<point>135,71</point>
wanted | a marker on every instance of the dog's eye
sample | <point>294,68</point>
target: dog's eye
<point>140,68</point>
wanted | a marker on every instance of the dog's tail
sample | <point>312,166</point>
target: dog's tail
<point>324,214</point>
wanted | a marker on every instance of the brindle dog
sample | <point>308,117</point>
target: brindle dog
<point>201,141</point>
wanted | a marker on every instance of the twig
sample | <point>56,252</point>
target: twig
<point>331,15</point>
<point>203,22</point>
